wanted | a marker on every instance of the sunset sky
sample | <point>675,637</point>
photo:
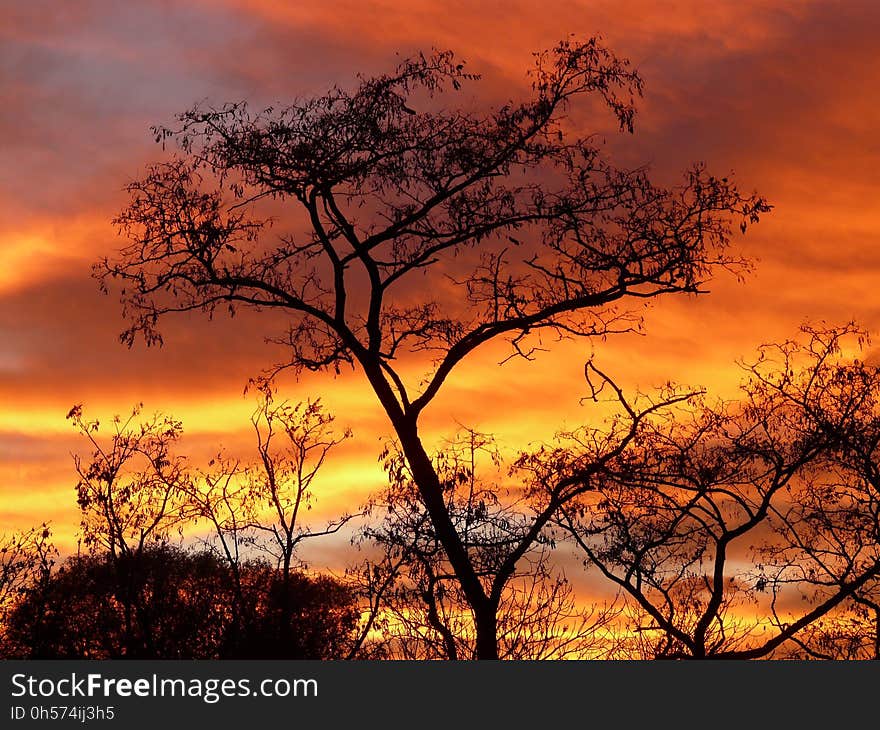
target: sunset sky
<point>783,93</point>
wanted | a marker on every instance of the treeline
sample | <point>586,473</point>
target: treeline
<point>742,529</point>
<point>170,603</point>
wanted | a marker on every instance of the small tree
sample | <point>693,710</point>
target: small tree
<point>827,536</point>
<point>130,487</point>
<point>131,494</point>
<point>79,615</point>
<point>525,225</point>
<point>135,492</point>
<point>677,520</point>
<point>26,562</point>
<point>259,505</point>
<point>293,443</point>
<point>424,612</point>
<point>220,498</point>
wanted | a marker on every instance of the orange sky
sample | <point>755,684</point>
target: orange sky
<point>781,92</point>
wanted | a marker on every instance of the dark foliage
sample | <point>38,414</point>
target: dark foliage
<point>167,603</point>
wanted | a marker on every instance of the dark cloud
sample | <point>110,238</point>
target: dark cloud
<point>63,338</point>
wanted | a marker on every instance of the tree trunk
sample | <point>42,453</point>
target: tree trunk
<point>286,607</point>
<point>486,620</point>
<point>431,491</point>
<point>877,634</point>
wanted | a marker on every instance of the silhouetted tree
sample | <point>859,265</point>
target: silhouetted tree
<point>828,534</point>
<point>301,616</point>
<point>283,483</point>
<point>220,499</point>
<point>83,612</point>
<point>423,231</point>
<point>186,598</point>
<point>26,562</point>
<point>424,612</point>
<point>130,486</point>
<point>678,520</point>
<point>131,497</point>
<point>136,492</point>
<point>260,505</point>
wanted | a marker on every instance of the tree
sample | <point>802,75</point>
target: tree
<point>828,535</point>
<point>302,616</point>
<point>82,614</point>
<point>221,498</point>
<point>130,487</point>
<point>136,493</point>
<point>287,472</point>
<point>27,559</point>
<point>678,520</point>
<point>131,496</point>
<point>76,613</point>
<point>261,505</point>
<point>425,614</point>
<point>398,200</point>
